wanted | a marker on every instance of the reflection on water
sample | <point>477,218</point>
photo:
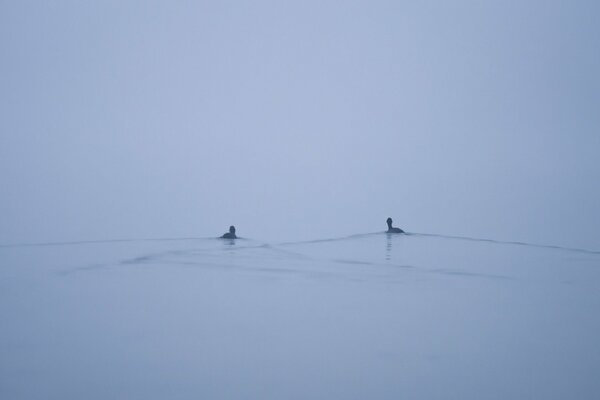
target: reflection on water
<point>229,242</point>
<point>388,247</point>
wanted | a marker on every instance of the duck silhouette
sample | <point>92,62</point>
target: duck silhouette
<point>230,234</point>
<point>391,229</point>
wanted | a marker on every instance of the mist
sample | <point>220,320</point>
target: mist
<point>299,121</point>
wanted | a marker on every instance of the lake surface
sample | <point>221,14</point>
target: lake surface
<point>370,316</point>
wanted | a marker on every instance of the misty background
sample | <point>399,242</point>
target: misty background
<point>299,120</point>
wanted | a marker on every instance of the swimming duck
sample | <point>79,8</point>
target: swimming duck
<point>391,229</point>
<point>230,234</point>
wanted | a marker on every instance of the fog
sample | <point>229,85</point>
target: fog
<point>134,133</point>
<point>298,121</point>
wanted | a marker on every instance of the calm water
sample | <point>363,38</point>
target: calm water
<point>367,316</point>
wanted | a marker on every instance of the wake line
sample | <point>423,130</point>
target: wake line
<point>335,239</point>
<point>473,239</point>
<point>313,241</point>
<point>72,243</point>
<point>543,246</point>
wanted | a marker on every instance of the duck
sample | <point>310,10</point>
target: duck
<point>230,234</point>
<point>392,229</point>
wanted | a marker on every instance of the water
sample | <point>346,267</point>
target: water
<point>368,316</point>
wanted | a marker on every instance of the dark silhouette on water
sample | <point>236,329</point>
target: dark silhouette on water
<point>230,234</point>
<point>392,229</point>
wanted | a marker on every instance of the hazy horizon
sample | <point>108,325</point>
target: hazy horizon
<point>297,121</point>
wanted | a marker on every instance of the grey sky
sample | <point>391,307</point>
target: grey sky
<point>299,120</point>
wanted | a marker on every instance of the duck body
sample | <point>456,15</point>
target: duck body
<point>230,234</point>
<point>392,229</point>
